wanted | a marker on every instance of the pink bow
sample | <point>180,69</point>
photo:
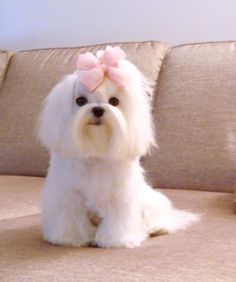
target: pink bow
<point>94,68</point>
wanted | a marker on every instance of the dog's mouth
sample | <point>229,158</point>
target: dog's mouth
<point>96,122</point>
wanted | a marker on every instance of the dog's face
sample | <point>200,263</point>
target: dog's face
<point>110,122</point>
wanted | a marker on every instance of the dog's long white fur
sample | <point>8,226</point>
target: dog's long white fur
<point>95,170</point>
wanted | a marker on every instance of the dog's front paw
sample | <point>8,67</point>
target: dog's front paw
<point>125,240</point>
<point>69,236</point>
<point>75,241</point>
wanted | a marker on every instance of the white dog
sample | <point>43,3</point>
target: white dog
<point>97,124</point>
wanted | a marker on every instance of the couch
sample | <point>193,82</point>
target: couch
<point>194,108</point>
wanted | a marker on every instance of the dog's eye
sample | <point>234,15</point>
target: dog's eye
<point>114,101</point>
<point>81,101</point>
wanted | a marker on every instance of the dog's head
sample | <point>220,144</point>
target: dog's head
<point>110,121</point>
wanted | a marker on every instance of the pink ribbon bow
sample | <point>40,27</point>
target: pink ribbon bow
<point>94,68</point>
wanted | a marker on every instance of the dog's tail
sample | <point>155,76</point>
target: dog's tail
<point>179,220</point>
<point>172,221</point>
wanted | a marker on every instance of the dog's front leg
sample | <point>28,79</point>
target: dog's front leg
<point>121,226</point>
<point>65,220</point>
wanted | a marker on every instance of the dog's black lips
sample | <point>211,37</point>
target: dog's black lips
<point>96,122</point>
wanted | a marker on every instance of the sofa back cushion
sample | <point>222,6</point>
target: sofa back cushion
<point>195,114</point>
<point>30,77</point>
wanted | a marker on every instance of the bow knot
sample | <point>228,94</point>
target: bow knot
<point>93,68</point>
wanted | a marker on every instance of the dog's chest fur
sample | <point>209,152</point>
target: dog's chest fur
<point>100,182</point>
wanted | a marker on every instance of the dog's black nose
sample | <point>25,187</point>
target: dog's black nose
<point>98,111</point>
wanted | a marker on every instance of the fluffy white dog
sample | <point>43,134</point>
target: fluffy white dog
<point>97,124</point>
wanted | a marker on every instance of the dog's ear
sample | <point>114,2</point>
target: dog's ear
<point>55,119</point>
<point>140,121</point>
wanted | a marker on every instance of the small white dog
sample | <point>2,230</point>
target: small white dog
<point>97,124</point>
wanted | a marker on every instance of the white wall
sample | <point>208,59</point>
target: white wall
<point>27,24</point>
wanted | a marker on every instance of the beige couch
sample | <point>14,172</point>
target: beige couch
<point>194,107</point>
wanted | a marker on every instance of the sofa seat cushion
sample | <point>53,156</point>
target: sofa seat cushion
<point>204,252</point>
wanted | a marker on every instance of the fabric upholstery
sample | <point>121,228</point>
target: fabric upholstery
<point>30,77</point>
<point>204,252</point>
<point>195,114</point>
<point>235,200</point>
<point>19,196</point>
<point>4,60</point>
